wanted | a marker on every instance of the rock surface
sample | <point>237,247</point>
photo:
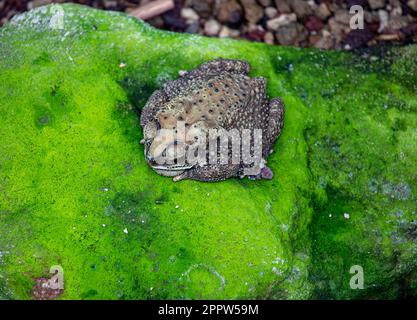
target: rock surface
<point>76,191</point>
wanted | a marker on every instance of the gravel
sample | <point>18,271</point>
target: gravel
<point>323,24</point>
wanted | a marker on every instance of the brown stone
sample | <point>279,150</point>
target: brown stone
<point>212,27</point>
<point>269,38</point>
<point>271,12</point>
<point>291,34</point>
<point>281,21</point>
<point>301,8</point>
<point>203,8</point>
<point>398,23</point>
<point>376,4</point>
<point>256,33</point>
<point>410,30</point>
<point>325,43</point>
<point>342,16</point>
<point>283,6</point>
<point>357,38</point>
<point>313,39</point>
<point>314,23</point>
<point>322,11</point>
<point>412,4</point>
<point>338,29</point>
<point>265,3</point>
<point>253,11</point>
<point>229,12</point>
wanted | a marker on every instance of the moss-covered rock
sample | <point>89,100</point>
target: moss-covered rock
<point>76,191</point>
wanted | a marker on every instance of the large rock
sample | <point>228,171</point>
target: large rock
<point>77,192</point>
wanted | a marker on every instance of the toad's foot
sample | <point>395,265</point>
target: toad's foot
<point>265,173</point>
<point>182,73</point>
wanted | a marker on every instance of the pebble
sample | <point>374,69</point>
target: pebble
<point>194,27</point>
<point>412,4</point>
<point>361,3</point>
<point>227,32</point>
<point>396,10</point>
<point>212,27</point>
<point>326,41</point>
<point>110,4</point>
<point>174,20</point>
<point>271,12</point>
<point>398,23</point>
<point>37,3</point>
<point>303,20</point>
<point>203,8</point>
<point>371,17</point>
<point>337,29</point>
<point>342,16</point>
<point>376,4</point>
<point>383,20</point>
<point>265,3</point>
<point>269,37</point>
<point>281,21</point>
<point>255,33</point>
<point>357,38</point>
<point>314,23</point>
<point>322,11</point>
<point>157,22</point>
<point>224,32</point>
<point>301,8</point>
<point>283,6</point>
<point>313,38</point>
<point>189,15</point>
<point>229,12</point>
<point>410,30</point>
<point>253,11</point>
<point>291,34</point>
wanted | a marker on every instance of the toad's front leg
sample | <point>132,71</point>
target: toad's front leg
<point>210,172</point>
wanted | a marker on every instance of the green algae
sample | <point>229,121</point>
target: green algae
<point>76,190</point>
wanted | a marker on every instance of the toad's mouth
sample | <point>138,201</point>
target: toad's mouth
<point>170,171</point>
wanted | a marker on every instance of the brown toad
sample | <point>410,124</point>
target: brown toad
<point>212,123</point>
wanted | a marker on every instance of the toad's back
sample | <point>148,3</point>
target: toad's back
<point>229,101</point>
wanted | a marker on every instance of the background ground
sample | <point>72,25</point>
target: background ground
<point>320,23</point>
